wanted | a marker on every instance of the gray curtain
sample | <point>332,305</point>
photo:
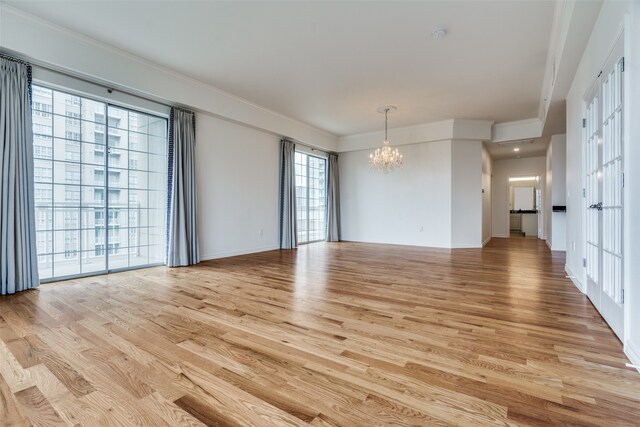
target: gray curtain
<point>288,226</point>
<point>333,200</point>
<point>18,258</point>
<point>182,237</point>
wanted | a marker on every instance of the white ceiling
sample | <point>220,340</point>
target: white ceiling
<point>527,148</point>
<point>555,124</point>
<point>331,64</point>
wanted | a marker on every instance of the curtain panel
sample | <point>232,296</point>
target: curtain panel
<point>333,200</point>
<point>288,225</point>
<point>182,237</point>
<point>18,257</point>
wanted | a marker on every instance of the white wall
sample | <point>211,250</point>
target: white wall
<point>547,196</point>
<point>558,231</point>
<point>632,189</point>
<point>502,170</point>
<point>410,206</point>
<point>556,221</point>
<point>559,169</point>
<point>237,179</point>
<point>613,18</point>
<point>434,200</point>
<point>487,165</point>
<point>466,194</point>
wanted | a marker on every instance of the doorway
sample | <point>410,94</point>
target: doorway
<point>100,185</point>
<point>311,197</point>
<point>525,206</point>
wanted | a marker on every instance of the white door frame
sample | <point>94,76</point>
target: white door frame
<point>604,264</point>
<point>538,186</point>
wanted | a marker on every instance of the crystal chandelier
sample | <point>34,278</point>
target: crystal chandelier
<point>385,159</point>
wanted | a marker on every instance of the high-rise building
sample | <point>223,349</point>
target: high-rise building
<point>100,184</point>
<point>311,192</point>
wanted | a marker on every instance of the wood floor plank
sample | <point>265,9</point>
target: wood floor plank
<point>9,410</point>
<point>203,412</point>
<point>14,374</point>
<point>169,411</point>
<point>38,409</point>
<point>62,400</point>
<point>118,409</point>
<point>332,334</point>
<point>235,406</point>
<point>75,382</point>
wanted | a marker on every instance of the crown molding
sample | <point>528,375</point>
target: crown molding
<point>452,129</point>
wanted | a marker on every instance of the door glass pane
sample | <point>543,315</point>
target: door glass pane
<point>612,170</point>
<point>42,116</point>
<point>310,197</point>
<point>141,147</point>
<point>592,191</point>
<point>317,197</point>
<point>301,196</point>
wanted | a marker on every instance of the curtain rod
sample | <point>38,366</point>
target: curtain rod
<point>327,152</point>
<point>14,59</point>
<point>310,147</point>
<point>109,88</point>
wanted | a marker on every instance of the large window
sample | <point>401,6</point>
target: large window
<point>311,196</point>
<point>100,199</point>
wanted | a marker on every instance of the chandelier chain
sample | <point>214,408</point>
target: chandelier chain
<point>386,113</point>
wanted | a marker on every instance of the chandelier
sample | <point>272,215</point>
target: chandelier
<point>384,158</point>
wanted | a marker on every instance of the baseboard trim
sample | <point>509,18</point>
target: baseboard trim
<point>396,244</point>
<point>548,244</point>
<point>501,236</point>
<point>486,241</point>
<point>466,246</point>
<point>237,253</point>
<point>633,353</point>
<point>574,279</point>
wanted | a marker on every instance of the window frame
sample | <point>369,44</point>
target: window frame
<point>49,233</point>
<point>308,199</point>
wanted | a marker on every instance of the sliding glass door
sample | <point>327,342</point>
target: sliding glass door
<point>100,185</point>
<point>311,197</point>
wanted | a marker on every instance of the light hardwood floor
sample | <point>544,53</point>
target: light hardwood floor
<point>332,334</point>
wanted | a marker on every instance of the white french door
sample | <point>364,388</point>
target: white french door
<point>604,192</point>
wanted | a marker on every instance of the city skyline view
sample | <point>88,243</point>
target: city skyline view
<point>100,201</point>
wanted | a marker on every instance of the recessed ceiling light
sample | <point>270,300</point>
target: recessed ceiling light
<point>439,33</point>
<point>516,149</point>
